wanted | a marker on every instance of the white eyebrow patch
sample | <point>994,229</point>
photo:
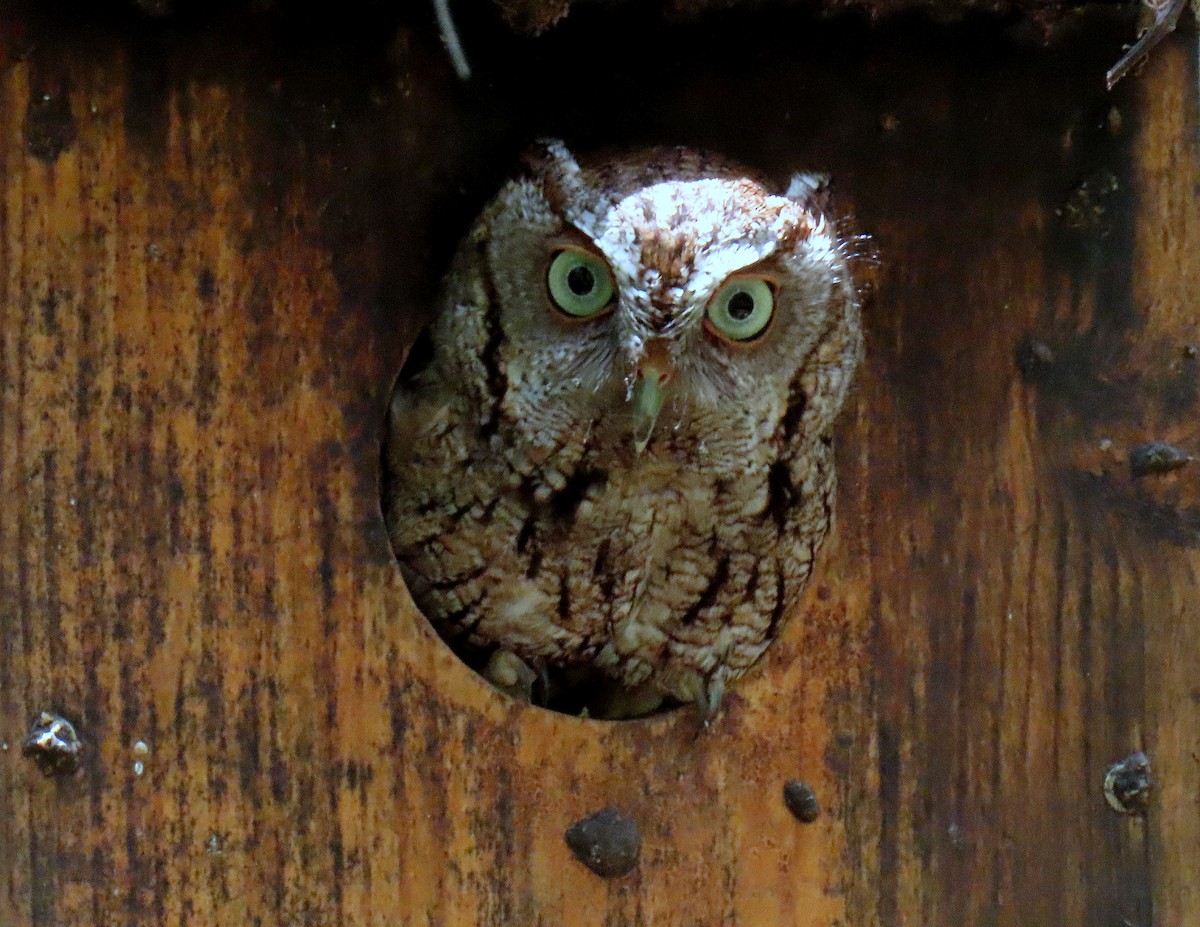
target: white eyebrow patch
<point>718,228</point>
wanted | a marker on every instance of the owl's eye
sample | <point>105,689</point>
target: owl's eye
<point>579,283</point>
<point>742,308</point>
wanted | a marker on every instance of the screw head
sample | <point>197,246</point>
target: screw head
<point>53,744</point>
<point>1127,784</point>
<point>801,801</point>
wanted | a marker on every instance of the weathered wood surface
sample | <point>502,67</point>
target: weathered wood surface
<point>213,249</point>
<point>534,17</point>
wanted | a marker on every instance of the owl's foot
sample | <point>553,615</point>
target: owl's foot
<point>706,692</point>
<point>511,675</point>
<point>616,702</point>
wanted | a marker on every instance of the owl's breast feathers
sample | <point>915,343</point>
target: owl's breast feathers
<point>627,467</point>
<point>650,567</point>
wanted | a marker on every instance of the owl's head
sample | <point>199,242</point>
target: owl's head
<point>668,299</point>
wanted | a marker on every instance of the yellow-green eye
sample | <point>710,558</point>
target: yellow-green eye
<point>579,283</point>
<point>742,308</point>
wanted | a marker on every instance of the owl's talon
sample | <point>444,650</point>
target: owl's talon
<point>543,687</point>
<point>511,675</point>
<point>709,703</point>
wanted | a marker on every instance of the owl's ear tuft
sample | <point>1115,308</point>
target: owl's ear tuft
<point>810,190</point>
<point>549,155</point>
<point>549,161</point>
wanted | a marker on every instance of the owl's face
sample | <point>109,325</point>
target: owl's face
<point>612,450</point>
<point>669,302</point>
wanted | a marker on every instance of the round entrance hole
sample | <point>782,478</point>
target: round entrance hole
<point>606,486</point>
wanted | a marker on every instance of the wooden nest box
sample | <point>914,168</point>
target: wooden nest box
<point>217,239</point>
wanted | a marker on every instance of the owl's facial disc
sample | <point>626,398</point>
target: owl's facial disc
<point>654,372</point>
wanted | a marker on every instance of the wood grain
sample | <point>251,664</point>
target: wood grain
<point>214,247</point>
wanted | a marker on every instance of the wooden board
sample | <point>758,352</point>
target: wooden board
<point>215,243</point>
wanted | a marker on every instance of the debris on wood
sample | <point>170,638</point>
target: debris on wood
<point>1157,457</point>
<point>1166,17</point>
<point>450,39</point>
<point>1089,207</point>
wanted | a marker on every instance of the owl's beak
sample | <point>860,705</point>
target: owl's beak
<point>654,372</point>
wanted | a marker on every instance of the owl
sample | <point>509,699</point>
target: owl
<point>609,460</point>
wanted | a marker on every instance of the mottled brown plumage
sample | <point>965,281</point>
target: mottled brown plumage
<point>526,516</point>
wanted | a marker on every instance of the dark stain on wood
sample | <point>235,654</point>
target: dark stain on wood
<point>49,123</point>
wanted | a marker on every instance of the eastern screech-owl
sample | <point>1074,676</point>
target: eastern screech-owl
<point>613,459</point>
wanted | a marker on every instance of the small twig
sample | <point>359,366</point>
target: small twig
<point>1166,16</point>
<point>450,39</point>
